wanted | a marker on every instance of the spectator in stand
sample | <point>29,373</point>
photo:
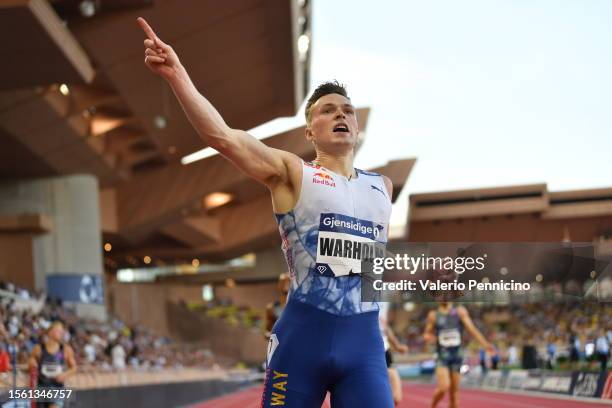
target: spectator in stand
<point>551,351</point>
<point>90,350</point>
<point>24,294</point>
<point>530,356</point>
<point>602,350</point>
<point>513,358</point>
<point>495,359</point>
<point>118,355</point>
<point>5,360</point>
<point>482,359</point>
<point>574,348</point>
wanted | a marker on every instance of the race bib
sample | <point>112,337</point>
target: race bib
<point>51,370</point>
<point>343,242</point>
<point>449,338</point>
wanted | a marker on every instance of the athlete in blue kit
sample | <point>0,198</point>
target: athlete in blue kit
<point>445,326</point>
<point>330,216</point>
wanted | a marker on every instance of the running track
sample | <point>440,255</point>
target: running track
<point>419,396</point>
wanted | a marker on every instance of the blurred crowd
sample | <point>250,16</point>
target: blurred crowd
<point>99,346</point>
<point>19,291</point>
<point>551,335</point>
<point>533,335</point>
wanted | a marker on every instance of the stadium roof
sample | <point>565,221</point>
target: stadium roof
<point>514,213</point>
<point>77,98</point>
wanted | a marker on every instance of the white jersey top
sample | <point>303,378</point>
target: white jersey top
<point>335,223</point>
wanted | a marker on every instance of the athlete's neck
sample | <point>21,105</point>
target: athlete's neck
<point>445,306</point>
<point>340,164</point>
<point>52,345</point>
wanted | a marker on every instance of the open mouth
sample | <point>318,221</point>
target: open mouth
<point>341,128</point>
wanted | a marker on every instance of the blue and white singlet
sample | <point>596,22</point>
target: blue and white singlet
<point>335,223</point>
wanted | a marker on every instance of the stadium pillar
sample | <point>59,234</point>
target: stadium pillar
<point>69,250</point>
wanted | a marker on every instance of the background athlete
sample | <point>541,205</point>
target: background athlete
<point>445,327</point>
<point>329,214</point>
<point>53,361</point>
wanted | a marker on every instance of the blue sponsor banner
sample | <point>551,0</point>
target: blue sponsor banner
<point>351,225</point>
<point>588,384</point>
<point>76,288</point>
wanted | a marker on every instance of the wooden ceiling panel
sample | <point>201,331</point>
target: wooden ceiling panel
<point>59,141</point>
<point>41,49</point>
<point>13,156</point>
<point>240,86</point>
<point>150,101</point>
<point>172,21</point>
<point>242,225</point>
<point>47,109</point>
<point>12,98</point>
<point>229,48</point>
<point>195,231</point>
<point>244,228</point>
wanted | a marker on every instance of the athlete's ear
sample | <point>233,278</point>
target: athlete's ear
<point>309,135</point>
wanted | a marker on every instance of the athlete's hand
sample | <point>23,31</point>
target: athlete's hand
<point>60,378</point>
<point>402,348</point>
<point>159,56</point>
<point>429,338</point>
<point>490,349</point>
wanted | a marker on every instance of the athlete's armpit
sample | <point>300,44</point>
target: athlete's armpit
<point>286,192</point>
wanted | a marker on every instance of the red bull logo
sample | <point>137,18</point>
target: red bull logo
<point>320,177</point>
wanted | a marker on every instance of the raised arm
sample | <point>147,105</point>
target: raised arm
<point>265,164</point>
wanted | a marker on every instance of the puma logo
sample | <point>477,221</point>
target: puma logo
<point>378,189</point>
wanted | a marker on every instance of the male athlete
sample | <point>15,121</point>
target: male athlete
<point>53,362</point>
<point>445,326</point>
<point>330,215</point>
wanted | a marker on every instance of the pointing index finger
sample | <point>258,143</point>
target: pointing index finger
<point>146,28</point>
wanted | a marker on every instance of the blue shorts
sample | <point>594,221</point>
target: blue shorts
<point>312,351</point>
<point>451,358</point>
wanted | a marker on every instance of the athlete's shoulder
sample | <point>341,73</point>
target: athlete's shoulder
<point>67,349</point>
<point>386,180</point>
<point>461,310</point>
